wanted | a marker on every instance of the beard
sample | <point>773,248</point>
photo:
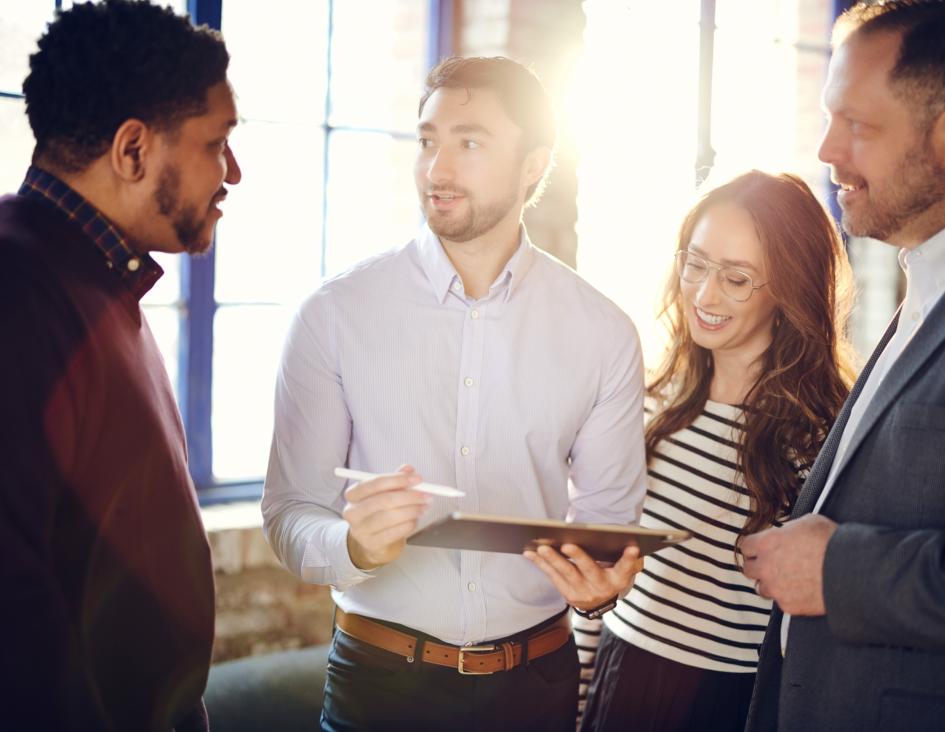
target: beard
<point>188,224</point>
<point>917,185</point>
<point>476,221</point>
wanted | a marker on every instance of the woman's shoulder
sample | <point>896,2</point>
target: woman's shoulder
<point>712,413</point>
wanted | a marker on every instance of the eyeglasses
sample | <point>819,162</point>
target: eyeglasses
<point>734,283</point>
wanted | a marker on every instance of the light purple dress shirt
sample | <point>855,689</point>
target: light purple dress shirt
<point>529,399</point>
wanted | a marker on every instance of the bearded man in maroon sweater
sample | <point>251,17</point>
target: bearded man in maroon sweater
<point>105,569</point>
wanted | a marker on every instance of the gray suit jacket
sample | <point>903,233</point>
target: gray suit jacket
<point>876,660</point>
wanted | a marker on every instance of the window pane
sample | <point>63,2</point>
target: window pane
<point>753,103</point>
<point>247,343</point>
<point>379,59</point>
<point>765,114</point>
<point>269,239</point>
<point>278,57</point>
<point>167,289</point>
<point>23,22</point>
<point>16,144</point>
<point>360,225</point>
<point>637,150</point>
<point>165,324</point>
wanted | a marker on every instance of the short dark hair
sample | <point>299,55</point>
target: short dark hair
<point>919,74</point>
<point>520,92</point>
<point>100,65</point>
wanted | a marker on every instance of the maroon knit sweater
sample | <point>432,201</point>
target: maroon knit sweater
<point>106,586</point>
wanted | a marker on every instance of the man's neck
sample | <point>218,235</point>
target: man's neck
<point>922,228</point>
<point>95,185</point>
<point>480,261</point>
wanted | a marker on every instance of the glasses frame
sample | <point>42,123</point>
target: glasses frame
<point>681,256</point>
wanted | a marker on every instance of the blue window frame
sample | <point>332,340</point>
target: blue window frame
<point>200,305</point>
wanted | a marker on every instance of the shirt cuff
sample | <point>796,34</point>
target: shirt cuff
<point>327,561</point>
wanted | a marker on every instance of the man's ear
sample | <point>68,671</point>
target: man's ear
<point>536,165</point>
<point>131,146</point>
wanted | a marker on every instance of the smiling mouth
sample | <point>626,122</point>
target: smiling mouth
<point>850,187</point>
<point>710,318</point>
<point>444,197</point>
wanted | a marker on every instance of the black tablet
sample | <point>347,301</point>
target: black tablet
<point>480,532</point>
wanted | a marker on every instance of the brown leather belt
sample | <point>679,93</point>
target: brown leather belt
<point>485,658</point>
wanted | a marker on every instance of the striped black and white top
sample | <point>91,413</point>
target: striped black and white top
<point>691,603</point>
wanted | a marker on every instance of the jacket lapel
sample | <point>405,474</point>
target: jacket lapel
<point>815,482</point>
<point>923,344</point>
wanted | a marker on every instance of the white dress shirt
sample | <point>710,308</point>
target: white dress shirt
<point>530,400</point>
<point>924,268</point>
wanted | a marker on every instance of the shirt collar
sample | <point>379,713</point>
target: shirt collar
<point>443,275</point>
<point>139,273</point>
<point>924,267</point>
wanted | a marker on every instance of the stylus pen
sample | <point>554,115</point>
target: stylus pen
<point>432,488</point>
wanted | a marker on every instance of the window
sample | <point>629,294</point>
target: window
<point>327,93</point>
<point>639,134</point>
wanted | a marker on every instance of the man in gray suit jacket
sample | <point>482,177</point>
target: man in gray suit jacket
<point>857,639</point>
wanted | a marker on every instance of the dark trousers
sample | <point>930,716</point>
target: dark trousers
<point>371,689</point>
<point>637,690</point>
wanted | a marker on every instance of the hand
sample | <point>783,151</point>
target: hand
<point>582,581</point>
<point>787,564</point>
<point>381,514</point>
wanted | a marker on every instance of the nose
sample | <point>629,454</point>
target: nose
<point>709,291</point>
<point>440,167</point>
<point>233,173</point>
<point>831,146</point>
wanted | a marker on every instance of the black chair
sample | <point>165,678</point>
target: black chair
<point>275,692</point>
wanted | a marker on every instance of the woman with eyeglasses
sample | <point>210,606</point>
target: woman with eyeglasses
<point>756,371</point>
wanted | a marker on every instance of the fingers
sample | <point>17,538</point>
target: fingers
<point>381,513</point>
<point>545,562</point>
<point>587,566</point>
<point>629,564</point>
<point>405,478</point>
<point>580,579</point>
<point>367,524</point>
<point>753,544</point>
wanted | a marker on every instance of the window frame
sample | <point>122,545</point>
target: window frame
<point>198,305</point>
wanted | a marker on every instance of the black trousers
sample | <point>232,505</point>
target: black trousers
<point>633,689</point>
<point>371,689</point>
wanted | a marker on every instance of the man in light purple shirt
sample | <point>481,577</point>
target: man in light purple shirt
<point>472,358</point>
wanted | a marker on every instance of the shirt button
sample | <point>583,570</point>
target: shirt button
<point>474,315</point>
<point>915,316</point>
<point>464,450</point>
<point>457,286</point>
<point>468,381</point>
<point>471,587</point>
<point>133,265</point>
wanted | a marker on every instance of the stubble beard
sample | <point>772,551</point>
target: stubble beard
<point>917,186</point>
<point>476,221</point>
<point>186,221</point>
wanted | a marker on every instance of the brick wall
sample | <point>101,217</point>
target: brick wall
<point>261,607</point>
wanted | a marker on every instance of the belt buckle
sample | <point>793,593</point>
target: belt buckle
<point>472,649</point>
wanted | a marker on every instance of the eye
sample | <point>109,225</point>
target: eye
<point>424,142</point>
<point>736,279</point>
<point>696,266</point>
<point>471,145</point>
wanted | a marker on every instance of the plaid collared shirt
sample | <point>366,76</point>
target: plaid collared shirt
<point>139,273</point>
